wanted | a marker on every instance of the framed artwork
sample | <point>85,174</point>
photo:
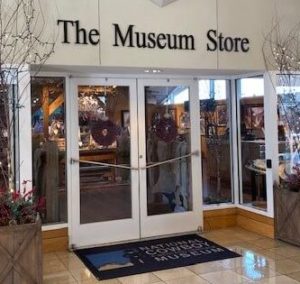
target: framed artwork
<point>221,111</point>
<point>257,117</point>
<point>172,112</point>
<point>125,118</point>
<point>254,117</point>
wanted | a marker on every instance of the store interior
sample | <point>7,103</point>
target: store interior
<point>104,137</point>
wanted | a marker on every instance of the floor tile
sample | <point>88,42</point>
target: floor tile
<point>295,258</point>
<point>267,243</point>
<point>220,265</point>
<point>82,274</point>
<point>53,268</point>
<point>225,277</point>
<point>256,273</point>
<point>59,278</point>
<point>144,278</point>
<point>49,256</point>
<point>285,266</point>
<point>287,251</point>
<point>206,267</point>
<point>295,276</point>
<point>72,263</point>
<point>247,252</point>
<point>175,273</point>
<point>270,253</point>
<point>278,280</point>
<point>194,279</point>
<point>51,261</point>
<point>64,254</point>
<point>247,245</point>
<point>247,236</point>
<point>95,281</point>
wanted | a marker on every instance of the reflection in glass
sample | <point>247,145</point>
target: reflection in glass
<point>215,141</point>
<point>168,137</point>
<point>48,146</point>
<point>104,137</point>
<point>250,93</point>
<point>288,91</point>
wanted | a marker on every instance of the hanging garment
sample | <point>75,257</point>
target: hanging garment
<point>51,181</point>
<point>166,181</point>
<point>181,173</point>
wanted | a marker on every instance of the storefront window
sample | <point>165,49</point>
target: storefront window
<point>250,96</point>
<point>288,91</point>
<point>215,129</point>
<point>49,147</point>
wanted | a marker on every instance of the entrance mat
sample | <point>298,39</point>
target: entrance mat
<point>146,256</point>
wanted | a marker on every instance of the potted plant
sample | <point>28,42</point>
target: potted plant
<point>287,208</point>
<point>20,238</point>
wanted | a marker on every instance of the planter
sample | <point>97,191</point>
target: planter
<point>21,254</point>
<point>287,212</point>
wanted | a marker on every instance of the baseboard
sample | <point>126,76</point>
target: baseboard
<point>256,223</point>
<point>219,219</point>
<point>230,217</point>
<point>55,240</point>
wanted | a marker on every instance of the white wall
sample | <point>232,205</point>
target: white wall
<point>236,18</point>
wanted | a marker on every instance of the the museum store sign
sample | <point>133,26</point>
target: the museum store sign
<point>131,37</point>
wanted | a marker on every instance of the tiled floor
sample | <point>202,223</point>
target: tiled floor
<point>264,261</point>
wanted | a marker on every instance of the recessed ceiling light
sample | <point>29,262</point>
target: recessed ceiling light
<point>152,71</point>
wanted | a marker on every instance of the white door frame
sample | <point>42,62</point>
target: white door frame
<point>172,223</point>
<point>108,231</point>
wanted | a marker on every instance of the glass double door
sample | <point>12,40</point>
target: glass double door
<point>134,159</point>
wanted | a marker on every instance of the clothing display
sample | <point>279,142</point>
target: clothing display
<point>166,180</point>
<point>181,173</point>
<point>46,159</point>
<point>173,178</point>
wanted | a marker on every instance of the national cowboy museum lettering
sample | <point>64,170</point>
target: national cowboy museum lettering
<point>132,38</point>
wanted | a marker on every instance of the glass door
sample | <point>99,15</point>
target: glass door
<point>104,205</point>
<point>169,141</point>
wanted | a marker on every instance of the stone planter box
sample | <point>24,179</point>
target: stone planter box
<point>287,215</point>
<point>21,254</point>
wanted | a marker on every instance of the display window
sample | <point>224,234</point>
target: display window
<point>215,130</point>
<point>252,145</point>
<point>48,128</point>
